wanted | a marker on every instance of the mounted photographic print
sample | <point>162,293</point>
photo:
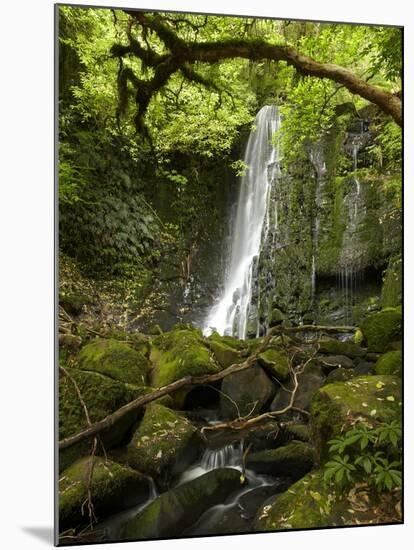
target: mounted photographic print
<point>229,275</point>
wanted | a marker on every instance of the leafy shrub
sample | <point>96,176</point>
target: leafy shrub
<point>368,454</point>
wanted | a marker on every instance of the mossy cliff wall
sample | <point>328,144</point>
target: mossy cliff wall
<point>332,229</point>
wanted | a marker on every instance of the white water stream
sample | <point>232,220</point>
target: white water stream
<point>230,314</point>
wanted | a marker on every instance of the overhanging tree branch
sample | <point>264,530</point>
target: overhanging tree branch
<point>183,53</point>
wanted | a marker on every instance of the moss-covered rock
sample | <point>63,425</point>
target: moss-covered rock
<point>181,352</point>
<point>389,363</point>
<point>331,362</point>
<point>244,392</point>
<point>331,346</point>
<point>294,460</point>
<point>70,343</point>
<point>391,294</point>
<point>113,488</point>
<point>276,317</point>
<point>173,511</point>
<point>164,443</point>
<point>311,503</point>
<point>116,360</point>
<point>298,431</point>
<point>336,406</point>
<point>102,396</point>
<point>225,349</point>
<point>275,362</point>
<point>73,303</point>
<point>382,328</point>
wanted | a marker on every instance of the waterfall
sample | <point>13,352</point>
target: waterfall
<point>230,314</point>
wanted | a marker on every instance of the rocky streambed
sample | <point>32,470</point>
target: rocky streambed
<point>243,453</point>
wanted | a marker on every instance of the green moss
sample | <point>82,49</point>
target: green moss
<point>332,346</point>
<point>116,360</point>
<point>230,341</point>
<point>311,503</point>
<point>336,405</point>
<point>224,354</point>
<point>180,353</point>
<point>275,362</point>
<point>389,363</point>
<point>160,441</point>
<point>102,396</point>
<point>113,488</point>
<point>382,328</point>
<point>391,295</point>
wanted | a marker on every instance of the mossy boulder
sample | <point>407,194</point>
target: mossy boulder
<point>164,443</point>
<point>73,303</point>
<point>70,343</point>
<point>336,406</point>
<point>173,511</point>
<point>389,363</point>
<point>179,353</point>
<point>311,503</point>
<point>331,346</point>
<point>294,460</point>
<point>382,329</point>
<point>226,349</point>
<point>102,396</point>
<point>276,317</point>
<point>298,431</point>
<point>275,362</point>
<point>331,362</point>
<point>244,392</point>
<point>116,360</point>
<point>113,488</point>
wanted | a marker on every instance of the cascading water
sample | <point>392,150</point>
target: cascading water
<point>230,314</point>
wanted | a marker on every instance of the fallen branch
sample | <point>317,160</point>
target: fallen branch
<point>206,379</point>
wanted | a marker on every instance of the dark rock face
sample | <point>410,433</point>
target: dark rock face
<point>294,460</point>
<point>173,511</point>
<point>331,362</point>
<point>245,391</point>
<point>309,381</point>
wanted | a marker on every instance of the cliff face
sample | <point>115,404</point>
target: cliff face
<point>333,232</point>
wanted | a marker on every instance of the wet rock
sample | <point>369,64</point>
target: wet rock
<point>245,392</point>
<point>331,362</point>
<point>113,488</point>
<point>340,375</point>
<point>164,444</point>
<point>116,360</point>
<point>293,460</point>
<point>250,502</point>
<point>177,509</point>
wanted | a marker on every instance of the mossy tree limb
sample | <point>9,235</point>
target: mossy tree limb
<point>182,54</point>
